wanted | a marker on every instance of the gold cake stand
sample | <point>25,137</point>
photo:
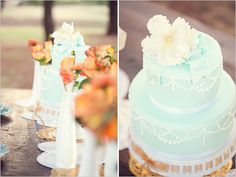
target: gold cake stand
<point>72,172</point>
<point>139,170</point>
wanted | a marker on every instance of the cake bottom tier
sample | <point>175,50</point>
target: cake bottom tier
<point>143,164</point>
<point>184,135</point>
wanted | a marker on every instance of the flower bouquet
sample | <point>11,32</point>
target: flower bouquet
<point>41,55</point>
<point>96,109</point>
<point>97,70</point>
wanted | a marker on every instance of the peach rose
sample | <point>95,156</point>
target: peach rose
<point>67,76</point>
<point>67,63</point>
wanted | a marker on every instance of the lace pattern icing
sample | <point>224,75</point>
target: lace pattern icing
<point>175,136</point>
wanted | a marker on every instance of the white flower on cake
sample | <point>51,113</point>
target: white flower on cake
<point>65,33</point>
<point>169,43</point>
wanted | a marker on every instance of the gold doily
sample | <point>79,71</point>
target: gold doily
<point>47,134</point>
<point>72,172</point>
<point>139,170</point>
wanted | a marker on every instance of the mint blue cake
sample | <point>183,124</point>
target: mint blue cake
<point>65,41</point>
<point>183,103</point>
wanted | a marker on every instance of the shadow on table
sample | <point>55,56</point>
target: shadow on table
<point>5,120</point>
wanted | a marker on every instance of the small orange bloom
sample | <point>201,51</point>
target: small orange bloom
<point>38,55</point>
<point>89,67</point>
<point>33,42</point>
<point>67,63</point>
<point>90,53</point>
<point>67,76</point>
<point>36,48</point>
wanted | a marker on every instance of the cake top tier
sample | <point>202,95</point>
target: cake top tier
<point>66,36</point>
<point>66,41</point>
<point>173,44</point>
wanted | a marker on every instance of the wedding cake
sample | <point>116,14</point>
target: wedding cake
<point>65,41</point>
<point>182,104</point>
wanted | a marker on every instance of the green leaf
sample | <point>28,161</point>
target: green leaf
<point>87,80</point>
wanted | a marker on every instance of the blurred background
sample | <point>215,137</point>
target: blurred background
<point>22,20</point>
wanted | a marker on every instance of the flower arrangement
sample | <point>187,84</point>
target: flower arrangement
<point>99,58</point>
<point>39,52</point>
<point>96,106</point>
<point>169,43</point>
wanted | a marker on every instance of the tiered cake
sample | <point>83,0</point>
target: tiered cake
<point>65,41</point>
<point>182,104</point>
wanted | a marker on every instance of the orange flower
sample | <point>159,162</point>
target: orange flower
<point>89,67</point>
<point>33,42</point>
<point>111,50</point>
<point>67,76</point>
<point>103,80</point>
<point>101,51</point>
<point>99,58</point>
<point>96,106</point>
<point>91,102</point>
<point>38,55</point>
<point>90,53</point>
<point>109,130</point>
<point>67,63</point>
<point>36,48</point>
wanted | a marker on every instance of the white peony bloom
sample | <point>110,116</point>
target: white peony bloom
<point>65,33</point>
<point>170,44</point>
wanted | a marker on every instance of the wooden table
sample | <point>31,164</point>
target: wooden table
<point>19,135</point>
<point>133,19</point>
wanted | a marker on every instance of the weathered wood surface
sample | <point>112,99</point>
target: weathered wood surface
<point>19,135</point>
<point>133,19</point>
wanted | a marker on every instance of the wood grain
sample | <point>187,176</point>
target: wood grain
<point>19,135</point>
